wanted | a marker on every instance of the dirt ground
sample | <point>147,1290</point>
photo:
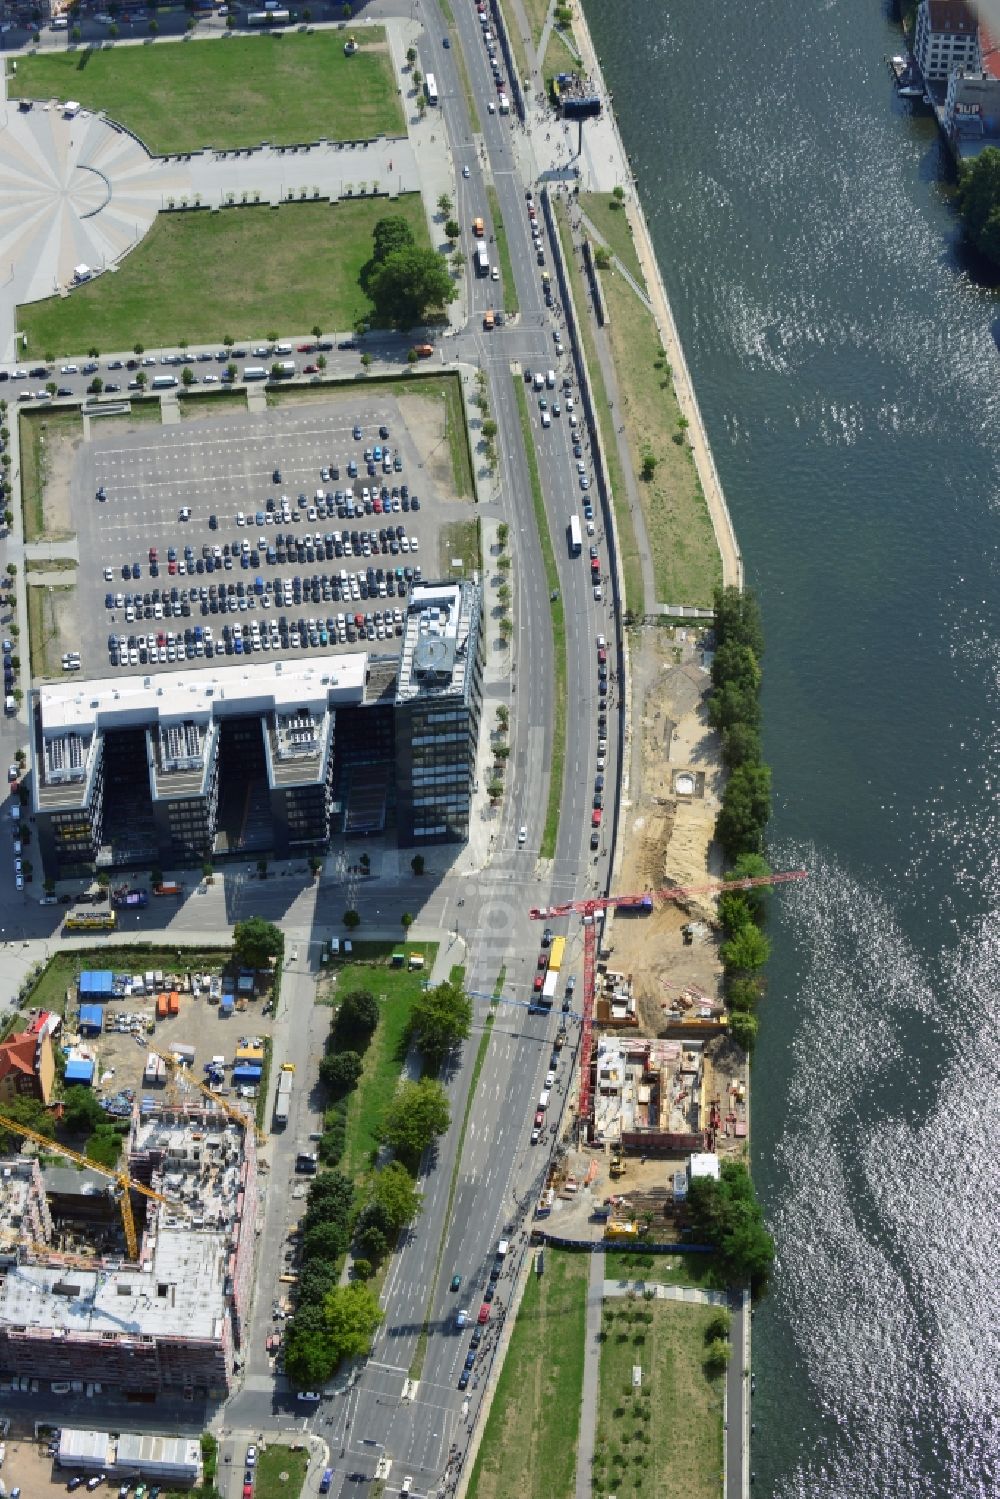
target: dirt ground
<point>28,1464</point>
<point>60,451</point>
<point>425,417</point>
<point>669,824</point>
<point>55,627</point>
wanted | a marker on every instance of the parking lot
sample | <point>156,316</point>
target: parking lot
<point>297,528</point>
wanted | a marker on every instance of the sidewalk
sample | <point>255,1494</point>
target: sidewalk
<point>590,1398</point>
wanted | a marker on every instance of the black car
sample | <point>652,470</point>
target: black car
<point>213,523</point>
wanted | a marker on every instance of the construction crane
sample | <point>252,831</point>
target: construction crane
<point>78,1261</point>
<point>643,902</point>
<point>124,1181</point>
<point>236,1115</point>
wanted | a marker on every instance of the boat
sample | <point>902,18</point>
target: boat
<point>909,84</point>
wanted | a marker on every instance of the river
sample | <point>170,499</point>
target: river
<point>848,372</point>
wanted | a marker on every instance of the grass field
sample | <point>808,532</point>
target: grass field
<point>281,1473</point>
<point>295,266</point>
<point>516,41</point>
<point>529,1445</point>
<point>664,1440</point>
<point>50,565</point>
<point>196,403</point>
<point>664,1269</point>
<point>459,538</point>
<point>559,57</point>
<point>628,547</point>
<point>557,759</point>
<point>611,221</point>
<point>44,603</point>
<point>510,301</point>
<point>36,428</point>
<point>686,561</point>
<point>284,89</point>
<point>396,989</point>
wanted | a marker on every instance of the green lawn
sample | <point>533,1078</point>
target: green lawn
<point>628,547</point>
<point>529,1445</point>
<point>510,301</point>
<point>396,989</point>
<point>664,1269</point>
<point>459,539</point>
<point>686,561</point>
<point>281,1473</point>
<point>611,221</point>
<point>559,57</point>
<point>663,1440</point>
<point>242,271</point>
<point>283,89</point>
<point>557,759</point>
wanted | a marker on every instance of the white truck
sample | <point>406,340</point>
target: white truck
<point>283,1099</point>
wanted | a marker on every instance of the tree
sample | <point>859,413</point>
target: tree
<point>747,950</point>
<point>321,362</point>
<point>740,745</point>
<point>142,379</point>
<point>352,920</point>
<point>28,1111</point>
<point>718,1325</point>
<point>366,360</point>
<point>494,790</point>
<point>411,55</point>
<point>619,195</point>
<point>403,281</point>
<point>648,465</point>
<point>406,920</point>
<point>743,1029</point>
<point>76,33</point>
<point>255,941</point>
<point>187,376</point>
<point>326,1241</point>
<point>352,1318</point>
<point>444,204</point>
<point>340,1071</point>
<point>358,1015</point>
<point>309,1354</point>
<point>316,1280</point>
<point>717,1357</point>
<point>441,1018</point>
<point>154,27</point>
<point>393,1193</point>
<point>418,1113</point>
<point>331,1199</point>
<point>753,867</point>
<point>737,617</point>
<point>231,371</point>
<point>744,994</point>
<point>746,805</point>
<point>417,864</point>
<point>726,1213</point>
<point>979,201</point>
<point>503,533</point>
<point>81,1111</point>
<point>734,911</point>
<point>453,229</point>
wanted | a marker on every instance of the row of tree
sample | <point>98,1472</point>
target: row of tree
<point>979,202</point>
<point>734,710</point>
<point>726,1214</point>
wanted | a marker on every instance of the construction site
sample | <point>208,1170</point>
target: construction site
<point>138,1277</point>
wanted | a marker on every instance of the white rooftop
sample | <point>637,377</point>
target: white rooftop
<point>322,681</point>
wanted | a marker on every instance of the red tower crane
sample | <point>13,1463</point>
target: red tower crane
<point>642,902</point>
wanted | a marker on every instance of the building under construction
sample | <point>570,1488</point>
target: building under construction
<point>72,1304</point>
<point>649,1094</point>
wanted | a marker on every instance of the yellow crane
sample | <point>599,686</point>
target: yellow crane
<point>237,1115</point>
<point>125,1182</point>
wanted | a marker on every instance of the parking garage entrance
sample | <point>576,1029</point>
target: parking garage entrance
<point>244,821</point>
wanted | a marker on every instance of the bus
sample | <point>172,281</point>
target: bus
<point>575,535</point>
<point>556,954</point>
<point>432,89</point>
<point>90,921</point>
<point>482,261</point>
<point>268,18</point>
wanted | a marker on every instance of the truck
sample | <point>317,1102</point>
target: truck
<point>549,987</point>
<point>168,887</point>
<point>557,953</point>
<point>482,261</point>
<point>282,1102</point>
<point>575,535</point>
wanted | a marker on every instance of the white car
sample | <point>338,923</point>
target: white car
<point>522,836</point>
<point>495,273</point>
<point>311,1396</point>
<point>465,171</point>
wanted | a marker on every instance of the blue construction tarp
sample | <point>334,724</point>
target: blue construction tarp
<point>96,983</point>
<point>92,1017</point>
<point>247,1074</point>
<point>226,1004</point>
<point>79,1070</point>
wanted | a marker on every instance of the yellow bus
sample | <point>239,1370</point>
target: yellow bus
<point>556,954</point>
<point>91,921</point>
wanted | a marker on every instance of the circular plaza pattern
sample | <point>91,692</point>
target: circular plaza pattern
<point>73,192</point>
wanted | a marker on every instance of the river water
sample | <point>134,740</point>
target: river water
<point>847,367</point>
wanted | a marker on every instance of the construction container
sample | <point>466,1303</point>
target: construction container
<point>175,1003</point>
<point>162,1007</point>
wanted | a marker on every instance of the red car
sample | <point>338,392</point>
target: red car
<point>538,983</point>
<point>306,348</point>
<point>484,1313</point>
<point>248,1491</point>
<point>153,554</point>
<point>602,655</point>
<point>543,960</point>
<point>310,369</point>
<point>172,569</point>
<point>539,1118</point>
<point>595,819</point>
